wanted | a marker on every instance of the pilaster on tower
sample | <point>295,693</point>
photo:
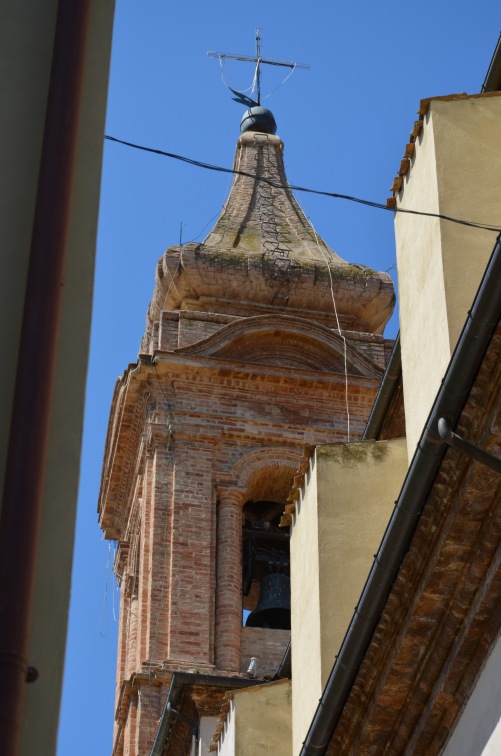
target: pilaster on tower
<point>260,343</point>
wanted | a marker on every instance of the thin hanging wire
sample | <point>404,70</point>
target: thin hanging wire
<point>104,609</point>
<point>247,89</point>
<point>281,83</point>
<point>114,585</point>
<point>327,262</point>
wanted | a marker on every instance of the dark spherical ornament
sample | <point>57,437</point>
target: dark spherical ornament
<point>258,119</point>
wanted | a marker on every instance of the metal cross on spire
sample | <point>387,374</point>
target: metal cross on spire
<point>258,60</point>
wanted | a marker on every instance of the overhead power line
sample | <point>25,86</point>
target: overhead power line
<point>296,188</point>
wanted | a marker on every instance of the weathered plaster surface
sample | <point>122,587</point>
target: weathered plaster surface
<point>339,525</point>
<point>453,172</point>
<point>259,722</point>
<point>305,610</point>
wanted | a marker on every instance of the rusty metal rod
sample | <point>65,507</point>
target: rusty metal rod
<point>31,413</point>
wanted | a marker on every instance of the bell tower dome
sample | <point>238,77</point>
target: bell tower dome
<point>260,343</point>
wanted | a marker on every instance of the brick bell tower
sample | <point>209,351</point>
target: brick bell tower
<point>260,342</point>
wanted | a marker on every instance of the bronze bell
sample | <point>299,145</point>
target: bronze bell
<point>274,605</point>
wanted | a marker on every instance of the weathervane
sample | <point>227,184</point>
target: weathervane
<point>240,97</point>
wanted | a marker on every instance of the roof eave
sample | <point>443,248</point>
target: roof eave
<point>463,367</point>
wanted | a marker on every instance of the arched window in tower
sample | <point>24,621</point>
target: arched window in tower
<point>265,566</point>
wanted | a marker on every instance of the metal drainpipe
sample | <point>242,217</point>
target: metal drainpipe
<point>29,431</point>
<point>179,680</point>
<point>193,727</point>
<point>385,393</point>
<point>285,669</point>
<point>492,81</point>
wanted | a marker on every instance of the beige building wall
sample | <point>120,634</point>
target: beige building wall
<point>259,722</point>
<point>454,172</point>
<point>305,608</point>
<point>26,47</point>
<point>339,523</point>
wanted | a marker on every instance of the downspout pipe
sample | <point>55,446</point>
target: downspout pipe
<point>492,81</point>
<point>385,393</point>
<point>285,669</point>
<point>193,727</point>
<point>178,681</point>
<point>31,413</point>
<point>456,386</point>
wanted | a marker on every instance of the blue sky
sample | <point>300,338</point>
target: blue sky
<point>345,123</point>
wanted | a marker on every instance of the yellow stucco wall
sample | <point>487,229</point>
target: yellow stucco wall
<point>305,609</point>
<point>259,721</point>
<point>338,527</point>
<point>454,172</point>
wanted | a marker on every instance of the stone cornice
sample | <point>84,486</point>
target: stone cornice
<point>191,366</point>
<point>364,297</point>
<point>121,450</point>
<point>263,339</point>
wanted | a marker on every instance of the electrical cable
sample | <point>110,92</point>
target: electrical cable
<point>342,336</point>
<point>297,188</point>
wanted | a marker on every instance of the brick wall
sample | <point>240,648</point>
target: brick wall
<point>205,433</point>
<point>268,646</point>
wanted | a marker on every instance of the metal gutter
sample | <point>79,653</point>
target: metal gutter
<point>492,81</point>
<point>456,386</point>
<point>178,681</point>
<point>385,393</point>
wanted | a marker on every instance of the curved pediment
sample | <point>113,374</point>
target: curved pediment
<point>284,341</point>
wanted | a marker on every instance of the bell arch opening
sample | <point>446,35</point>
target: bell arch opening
<point>265,550</point>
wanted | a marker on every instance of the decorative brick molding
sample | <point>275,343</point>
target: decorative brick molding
<point>264,458</point>
<point>229,580</point>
